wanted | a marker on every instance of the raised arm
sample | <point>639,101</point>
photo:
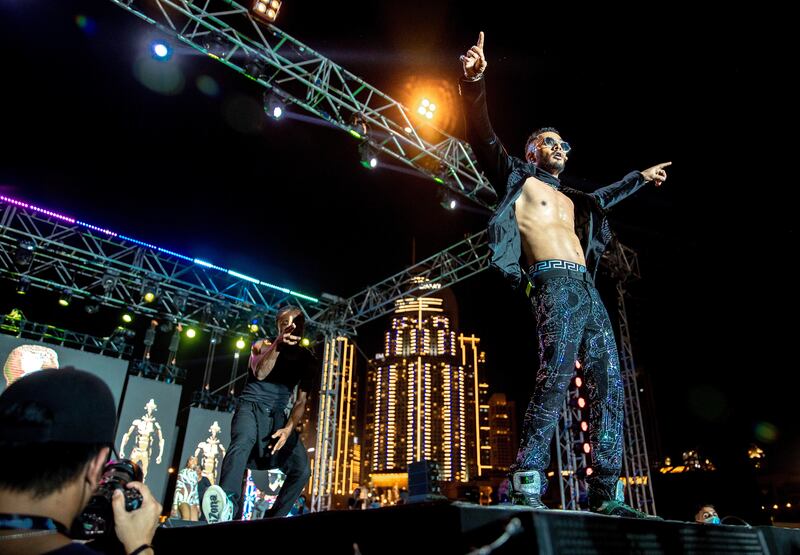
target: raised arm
<point>610,195</point>
<point>264,356</point>
<point>492,157</point>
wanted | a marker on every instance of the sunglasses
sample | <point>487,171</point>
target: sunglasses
<point>550,142</point>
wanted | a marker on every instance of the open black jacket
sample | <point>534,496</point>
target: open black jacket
<point>507,174</point>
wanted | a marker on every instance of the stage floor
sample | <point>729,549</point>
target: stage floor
<point>454,527</point>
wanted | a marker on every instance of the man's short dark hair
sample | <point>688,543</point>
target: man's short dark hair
<point>288,308</point>
<point>39,468</point>
<point>536,134</point>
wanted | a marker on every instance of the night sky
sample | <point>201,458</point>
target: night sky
<point>201,171</point>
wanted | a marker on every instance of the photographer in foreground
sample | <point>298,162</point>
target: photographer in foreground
<point>56,429</point>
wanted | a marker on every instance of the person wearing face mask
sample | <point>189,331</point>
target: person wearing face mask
<point>707,515</point>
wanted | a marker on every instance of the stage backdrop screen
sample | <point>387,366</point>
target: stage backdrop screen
<point>21,356</point>
<point>208,435</point>
<point>146,429</point>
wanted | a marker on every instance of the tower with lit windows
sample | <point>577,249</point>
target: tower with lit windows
<point>425,400</point>
<point>502,432</point>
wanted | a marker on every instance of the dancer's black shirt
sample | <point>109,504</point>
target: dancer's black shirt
<point>295,365</point>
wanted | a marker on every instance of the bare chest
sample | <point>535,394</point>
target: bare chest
<point>540,203</point>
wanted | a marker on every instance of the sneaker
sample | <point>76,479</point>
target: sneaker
<point>216,505</point>
<point>526,489</point>
<point>620,491</point>
<point>618,508</point>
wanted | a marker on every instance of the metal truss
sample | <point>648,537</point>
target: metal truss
<point>334,364</point>
<point>569,461</point>
<point>456,263</point>
<point>168,373</point>
<point>623,264</point>
<point>296,74</point>
<point>108,346</point>
<point>49,251</point>
<point>85,260</point>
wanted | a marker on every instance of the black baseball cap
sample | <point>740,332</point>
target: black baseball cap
<point>79,408</point>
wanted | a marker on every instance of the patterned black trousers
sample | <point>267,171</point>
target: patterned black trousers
<point>572,324</point>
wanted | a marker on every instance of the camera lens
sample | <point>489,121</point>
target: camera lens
<point>98,517</point>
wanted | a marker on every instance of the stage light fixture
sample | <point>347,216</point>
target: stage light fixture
<point>92,308</point>
<point>219,312</point>
<point>266,10</point>
<point>23,256</point>
<point>305,342</point>
<point>581,402</point>
<point>161,50</point>
<point>240,344</point>
<point>149,292</point>
<point>448,200</point>
<point>578,381</point>
<point>127,317</point>
<point>446,177</point>
<point>191,333</point>
<point>216,45</point>
<point>256,68</point>
<point>65,298</point>
<point>368,154</point>
<point>109,282</point>
<point>274,106</point>
<point>426,108</point>
<point>121,335</point>
<point>180,301</point>
<point>358,126</point>
<point>24,285</point>
<point>584,426</point>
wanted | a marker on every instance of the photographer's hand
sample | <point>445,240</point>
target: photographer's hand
<point>136,528</point>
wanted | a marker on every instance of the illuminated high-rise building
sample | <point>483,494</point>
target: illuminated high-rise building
<point>478,406</point>
<point>347,461</point>
<point>345,466</point>
<point>502,432</point>
<point>423,394</point>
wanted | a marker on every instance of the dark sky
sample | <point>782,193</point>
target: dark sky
<point>207,175</point>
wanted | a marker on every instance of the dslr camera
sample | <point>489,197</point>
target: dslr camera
<point>97,518</point>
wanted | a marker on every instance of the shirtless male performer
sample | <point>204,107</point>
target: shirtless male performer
<point>562,233</point>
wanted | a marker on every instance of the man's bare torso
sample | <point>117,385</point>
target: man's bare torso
<point>546,221</point>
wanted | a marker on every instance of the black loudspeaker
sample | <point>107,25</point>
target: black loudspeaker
<point>424,481</point>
